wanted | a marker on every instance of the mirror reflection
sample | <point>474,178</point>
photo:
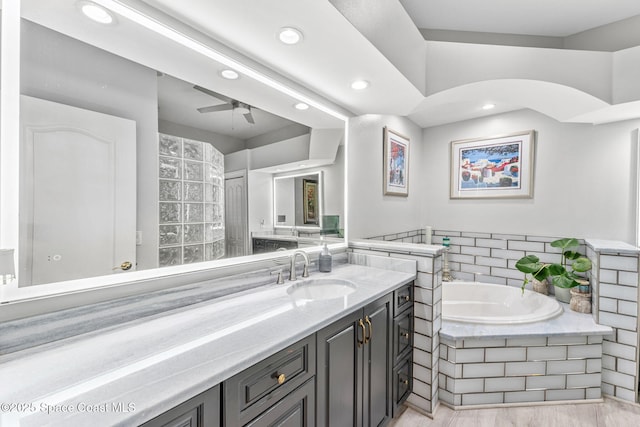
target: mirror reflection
<point>125,167</point>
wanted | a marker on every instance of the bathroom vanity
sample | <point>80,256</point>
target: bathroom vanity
<point>254,357</point>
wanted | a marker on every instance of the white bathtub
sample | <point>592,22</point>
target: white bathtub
<point>497,304</point>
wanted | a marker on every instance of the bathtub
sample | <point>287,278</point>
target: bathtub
<point>476,302</point>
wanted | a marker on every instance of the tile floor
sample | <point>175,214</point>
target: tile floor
<point>610,413</point>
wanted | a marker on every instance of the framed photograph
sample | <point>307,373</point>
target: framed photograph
<point>310,203</point>
<point>496,167</point>
<point>396,164</point>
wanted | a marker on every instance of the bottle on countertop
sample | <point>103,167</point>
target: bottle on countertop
<point>324,260</point>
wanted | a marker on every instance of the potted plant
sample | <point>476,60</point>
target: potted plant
<point>564,275</point>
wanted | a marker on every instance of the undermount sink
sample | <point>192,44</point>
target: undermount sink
<point>321,289</point>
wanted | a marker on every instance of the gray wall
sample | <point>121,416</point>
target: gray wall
<point>61,69</point>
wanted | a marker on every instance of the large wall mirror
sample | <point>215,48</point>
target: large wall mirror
<point>139,153</point>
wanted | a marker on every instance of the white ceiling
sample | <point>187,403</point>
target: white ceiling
<point>555,18</point>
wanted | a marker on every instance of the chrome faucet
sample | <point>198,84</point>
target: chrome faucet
<point>305,271</point>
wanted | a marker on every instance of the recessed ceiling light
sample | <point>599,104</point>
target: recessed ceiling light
<point>229,74</point>
<point>290,35</point>
<point>96,12</point>
<point>359,85</point>
<point>488,106</point>
<point>301,106</point>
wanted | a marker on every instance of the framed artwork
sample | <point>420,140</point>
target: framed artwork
<point>396,164</point>
<point>496,167</point>
<point>310,202</point>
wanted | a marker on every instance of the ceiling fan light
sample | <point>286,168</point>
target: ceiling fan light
<point>301,106</point>
<point>229,74</point>
<point>488,106</point>
<point>290,35</point>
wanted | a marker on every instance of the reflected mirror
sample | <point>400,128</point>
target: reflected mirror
<point>297,201</point>
<point>137,153</point>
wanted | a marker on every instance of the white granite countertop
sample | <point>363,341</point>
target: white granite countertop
<point>151,365</point>
<point>567,323</point>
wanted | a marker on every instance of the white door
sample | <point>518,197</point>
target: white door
<point>235,214</point>
<point>78,193</point>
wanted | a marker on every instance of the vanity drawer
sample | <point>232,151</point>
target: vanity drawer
<point>256,389</point>
<point>402,298</point>
<point>402,335</point>
<point>402,384</point>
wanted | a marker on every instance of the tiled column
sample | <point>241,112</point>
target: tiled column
<point>614,281</point>
<point>427,314</point>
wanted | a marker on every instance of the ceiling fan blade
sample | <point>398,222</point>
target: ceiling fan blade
<point>214,94</point>
<point>213,108</point>
<point>249,118</point>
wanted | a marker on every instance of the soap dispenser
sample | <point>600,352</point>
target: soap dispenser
<point>324,260</point>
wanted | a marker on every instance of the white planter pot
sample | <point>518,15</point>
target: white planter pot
<point>563,294</point>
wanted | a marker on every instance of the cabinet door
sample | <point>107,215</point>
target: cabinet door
<point>377,363</point>
<point>339,373</point>
<point>200,411</point>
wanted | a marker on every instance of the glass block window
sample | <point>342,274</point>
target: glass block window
<point>191,201</point>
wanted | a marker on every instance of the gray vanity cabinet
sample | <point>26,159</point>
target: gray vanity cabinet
<point>402,346</point>
<point>353,379</point>
<point>200,411</point>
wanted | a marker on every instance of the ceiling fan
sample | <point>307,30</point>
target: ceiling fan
<point>231,104</point>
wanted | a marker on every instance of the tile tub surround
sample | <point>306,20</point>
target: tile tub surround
<point>427,312</point>
<point>555,360</point>
<point>614,281</point>
<point>159,362</point>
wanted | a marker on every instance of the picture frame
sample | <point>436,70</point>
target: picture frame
<point>310,202</point>
<point>395,164</point>
<point>495,167</point>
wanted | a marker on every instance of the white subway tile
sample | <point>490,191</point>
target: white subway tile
<point>618,291</point>
<point>594,393</point>
<point>492,243</point>
<point>547,353</point>
<point>627,337</point>
<point>491,262</point>
<point>466,277</point>
<point>421,389</point>
<point>424,296</point>
<point>607,389</point>
<point>423,326</point>
<point>627,367</point>
<point>472,250</point>
<point>608,276</point>
<point>513,354</point>
<point>462,241</point>
<point>502,236</point>
<point>475,269</point>
<point>609,304</point>
<point>504,384</point>
<point>524,368</point>
<point>571,394</point>
<point>506,254</point>
<point>482,398</point>
<point>617,262</point>
<point>584,351</point>
<point>526,246</point>
<point>526,341</point>
<point>445,396</point>
<point>483,370</point>
<point>624,394</point>
<point>477,235</point>
<point>467,259</point>
<point>474,385</point>
<point>424,280</point>
<point>618,379</point>
<point>524,396</point>
<point>421,357</point>
<point>566,340</point>
<point>546,382</point>
<point>423,311</point>
<point>628,308</point>
<point>583,380</point>
<point>566,367</point>
<point>510,273</point>
<point>444,353</point>
<point>469,355</point>
<point>594,365</point>
<point>478,342</point>
<point>628,278</point>
<point>450,369</point>
<point>618,321</point>
<point>608,362</point>
<point>492,279</point>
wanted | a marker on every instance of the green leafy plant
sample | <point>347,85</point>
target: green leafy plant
<point>563,275</point>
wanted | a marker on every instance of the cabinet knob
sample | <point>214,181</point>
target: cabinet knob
<point>405,382</point>
<point>405,335</point>
<point>281,378</point>
<point>407,297</point>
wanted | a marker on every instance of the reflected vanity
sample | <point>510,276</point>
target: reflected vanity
<point>178,204</point>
